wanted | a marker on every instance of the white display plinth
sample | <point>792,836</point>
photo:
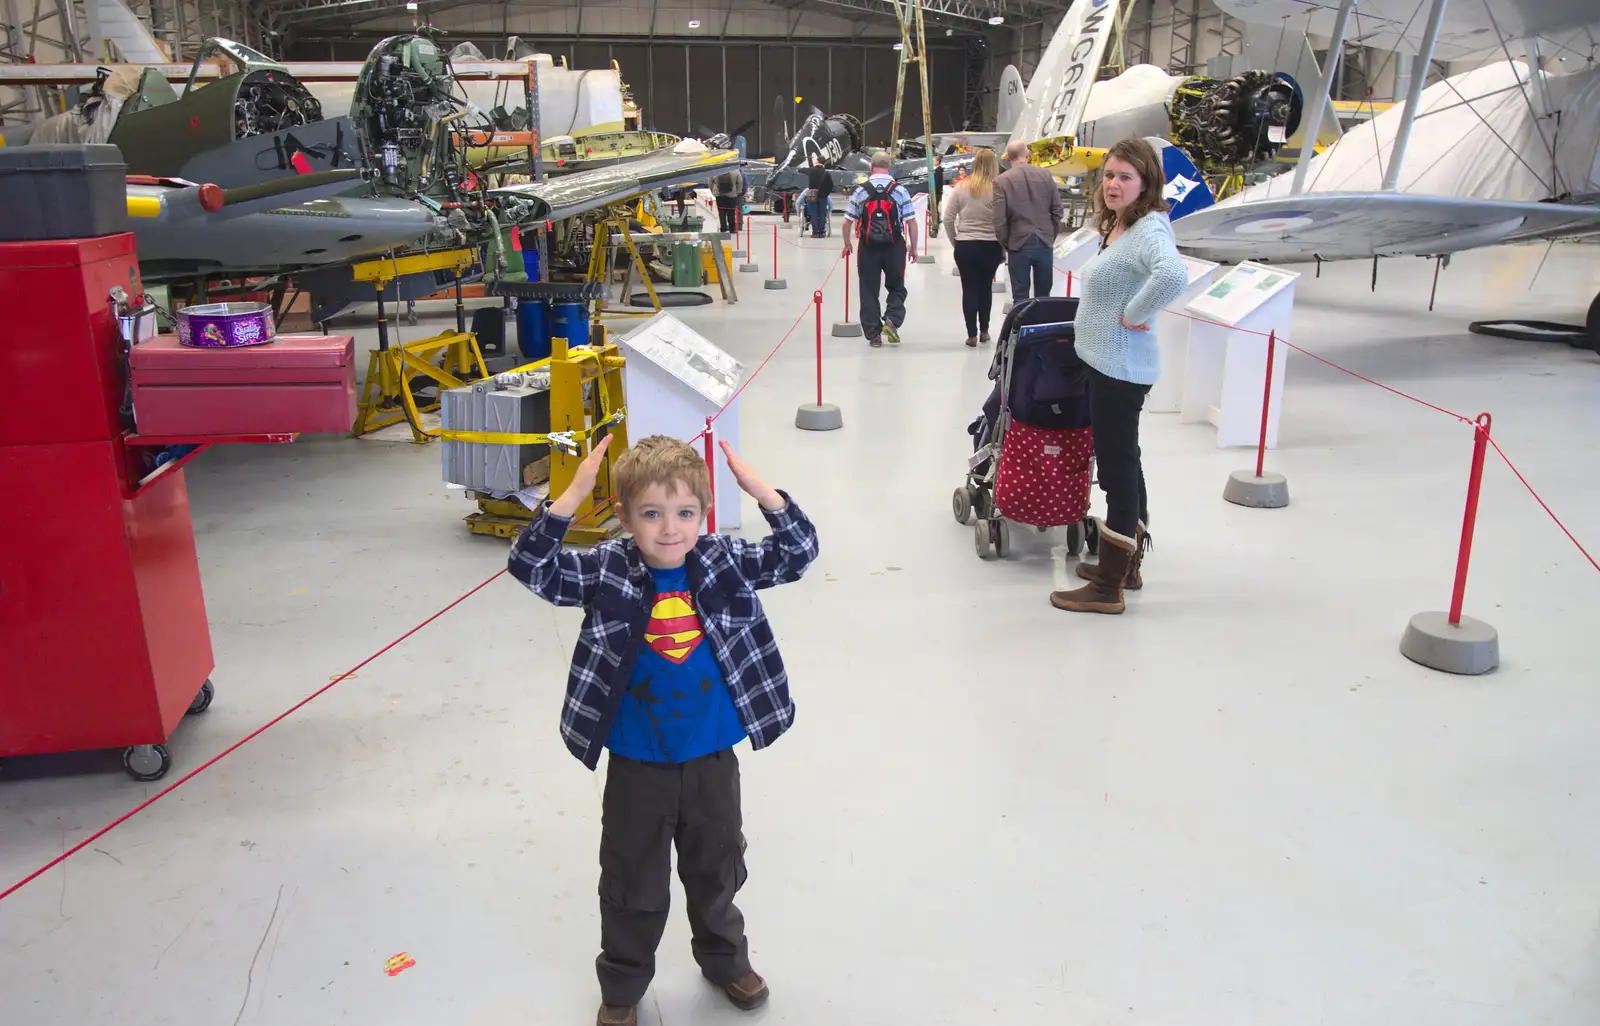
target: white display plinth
<point>1071,252</point>
<point>1227,361</point>
<point>673,380</point>
<point>1172,336</point>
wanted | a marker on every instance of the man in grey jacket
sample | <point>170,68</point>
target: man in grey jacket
<point>1027,213</point>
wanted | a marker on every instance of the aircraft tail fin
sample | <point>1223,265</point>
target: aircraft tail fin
<point>1186,189</point>
<point>1013,95</point>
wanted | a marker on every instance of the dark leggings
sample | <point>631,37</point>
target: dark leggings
<point>977,262</point>
<point>1114,406</point>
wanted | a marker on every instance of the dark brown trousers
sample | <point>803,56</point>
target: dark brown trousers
<point>646,809</point>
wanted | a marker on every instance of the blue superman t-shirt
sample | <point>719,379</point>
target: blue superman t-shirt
<point>677,706</point>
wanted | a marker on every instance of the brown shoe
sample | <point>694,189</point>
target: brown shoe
<point>749,992</point>
<point>983,337</point>
<point>1103,593</point>
<point>972,341</point>
<point>617,1015</point>
<point>1131,581</point>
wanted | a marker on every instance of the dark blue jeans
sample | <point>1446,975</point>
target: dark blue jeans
<point>1035,257</point>
<point>818,213</point>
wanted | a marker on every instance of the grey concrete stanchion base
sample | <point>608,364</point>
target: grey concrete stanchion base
<point>1269,491</point>
<point>773,284</point>
<point>1468,648</point>
<point>812,417</point>
<point>999,287</point>
<point>846,329</point>
<point>749,268</point>
<point>740,254</point>
<point>926,258</point>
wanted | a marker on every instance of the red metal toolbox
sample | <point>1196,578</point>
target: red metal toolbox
<point>298,383</point>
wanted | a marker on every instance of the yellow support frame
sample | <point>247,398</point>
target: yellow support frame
<point>570,367</point>
<point>386,396</point>
<point>600,267</point>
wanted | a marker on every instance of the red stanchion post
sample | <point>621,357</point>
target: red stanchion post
<point>1260,490</point>
<point>846,328</point>
<point>1266,403</point>
<point>1469,521</point>
<point>711,470</point>
<point>775,282</point>
<point>819,416</point>
<point>1069,284</point>
<point>816,298</point>
<point>1451,641</point>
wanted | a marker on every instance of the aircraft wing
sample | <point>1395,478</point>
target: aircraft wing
<point>582,191</point>
<point>1337,226</point>
<point>1467,28</point>
<point>286,224</point>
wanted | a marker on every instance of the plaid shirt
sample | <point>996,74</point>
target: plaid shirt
<point>613,584</point>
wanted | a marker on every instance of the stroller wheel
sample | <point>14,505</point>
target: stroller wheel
<point>1091,536</point>
<point>961,505</point>
<point>1074,539</point>
<point>980,539</point>
<point>1001,533</point>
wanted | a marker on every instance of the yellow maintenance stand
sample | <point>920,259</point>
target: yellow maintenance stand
<point>451,359</point>
<point>576,427</point>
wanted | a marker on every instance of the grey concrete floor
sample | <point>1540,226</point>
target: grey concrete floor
<point>1235,804</point>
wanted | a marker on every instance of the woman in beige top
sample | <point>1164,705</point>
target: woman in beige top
<point>969,210</point>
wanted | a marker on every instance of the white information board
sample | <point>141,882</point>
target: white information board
<point>1225,376</point>
<point>1240,292</point>
<point>673,379</point>
<point>1172,336</point>
<point>1070,253</point>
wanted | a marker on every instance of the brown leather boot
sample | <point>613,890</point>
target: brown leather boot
<point>617,1015</point>
<point>747,993</point>
<point>1131,581</point>
<point>1103,593</point>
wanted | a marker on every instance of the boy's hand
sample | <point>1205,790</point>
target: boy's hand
<point>753,486</point>
<point>582,481</point>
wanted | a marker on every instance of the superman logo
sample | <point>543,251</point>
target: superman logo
<point>673,632</point>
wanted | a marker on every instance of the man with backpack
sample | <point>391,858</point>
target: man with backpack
<point>881,222</point>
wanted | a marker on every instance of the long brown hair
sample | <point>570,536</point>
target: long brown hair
<point>980,180</point>
<point>1141,156</point>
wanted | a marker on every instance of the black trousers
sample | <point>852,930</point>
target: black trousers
<point>977,262</point>
<point>876,267</point>
<point>728,215</point>
<point>1114,406</point>
<point>647,808</point>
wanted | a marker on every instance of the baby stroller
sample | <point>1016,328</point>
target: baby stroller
<point>1033,445</point>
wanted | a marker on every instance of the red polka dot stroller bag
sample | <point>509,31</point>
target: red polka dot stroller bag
<point>1033,458</point>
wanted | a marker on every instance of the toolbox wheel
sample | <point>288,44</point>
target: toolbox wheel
<point>961,505</point>
<point>980,539</point>
<point>1001,532</point>
<point>1091,536</point>
<point>1074,539</point>
<point>202,699</point>
<point>146,762</point>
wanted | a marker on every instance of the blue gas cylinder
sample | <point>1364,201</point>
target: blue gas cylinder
<point>533,328</point>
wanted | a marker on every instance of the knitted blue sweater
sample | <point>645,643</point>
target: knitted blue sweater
<point>1132,278</point>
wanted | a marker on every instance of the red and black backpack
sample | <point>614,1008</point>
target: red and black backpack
<point>880,223</point>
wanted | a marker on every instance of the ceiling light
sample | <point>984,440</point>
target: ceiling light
<point>693,23</point>
<point>998,19</point>
<point>899,46</point>
<point>411,5</point>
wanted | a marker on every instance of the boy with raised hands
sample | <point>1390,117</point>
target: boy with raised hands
<point>674,666</point>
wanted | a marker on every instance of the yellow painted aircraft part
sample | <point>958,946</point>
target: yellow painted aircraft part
<point>144,206</point>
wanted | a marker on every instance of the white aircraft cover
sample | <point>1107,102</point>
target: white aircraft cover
<point>1139,86</point>
<point>1468,26</point>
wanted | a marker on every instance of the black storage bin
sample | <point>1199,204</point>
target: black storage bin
<point>62,192</point>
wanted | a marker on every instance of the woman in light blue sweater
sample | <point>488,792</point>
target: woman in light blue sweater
<point>1135,274</point>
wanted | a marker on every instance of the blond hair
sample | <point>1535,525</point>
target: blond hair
<point>985,168</point>
<point>664,461</point>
